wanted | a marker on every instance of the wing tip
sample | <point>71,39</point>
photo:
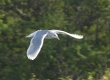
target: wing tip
<point>81,36</point>
<point>78,36</point>
<point>31,58</point>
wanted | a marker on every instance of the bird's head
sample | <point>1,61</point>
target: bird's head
<point>54,35</point>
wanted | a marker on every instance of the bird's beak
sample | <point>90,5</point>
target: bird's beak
<point>58,38</point>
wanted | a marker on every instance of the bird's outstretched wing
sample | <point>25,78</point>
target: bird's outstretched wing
<point>66,33</point>
<point>32,34</point>
<point>36,44</point>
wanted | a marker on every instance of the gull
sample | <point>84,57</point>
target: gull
<point>38,37</point>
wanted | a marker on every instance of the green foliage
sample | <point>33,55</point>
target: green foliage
<point>67,59</point>
<point>106,75</point>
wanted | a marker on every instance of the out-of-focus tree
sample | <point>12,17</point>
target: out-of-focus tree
<point>65,59</point>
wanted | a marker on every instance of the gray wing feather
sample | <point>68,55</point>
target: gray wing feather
<point>32,34</point>
<point>36,44</point>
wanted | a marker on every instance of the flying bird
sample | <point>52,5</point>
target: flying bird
<point>38,37</point>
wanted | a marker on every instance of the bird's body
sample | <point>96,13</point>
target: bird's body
<point>37,40</point>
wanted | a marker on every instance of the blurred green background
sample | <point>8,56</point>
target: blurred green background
<point>67,59</point>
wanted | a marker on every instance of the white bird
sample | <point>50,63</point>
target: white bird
<point>37,40</point>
